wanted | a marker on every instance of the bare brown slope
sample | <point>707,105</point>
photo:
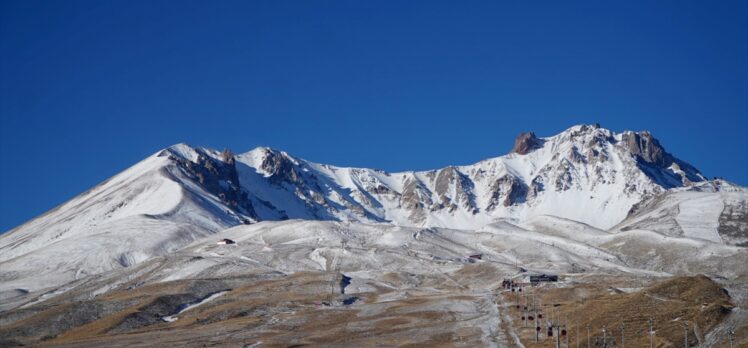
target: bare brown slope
<point>696,300</point>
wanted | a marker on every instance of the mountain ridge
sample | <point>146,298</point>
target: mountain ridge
<point>419,190</point>
<point>454,187</point>
<point>180,194</point>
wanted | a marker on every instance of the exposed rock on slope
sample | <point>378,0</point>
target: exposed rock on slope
<point>218,177</point>
<point>586,174</point>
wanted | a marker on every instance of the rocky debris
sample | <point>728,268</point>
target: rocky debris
<point>526,143</point>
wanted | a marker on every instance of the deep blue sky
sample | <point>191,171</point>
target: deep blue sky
<point>89,88</point>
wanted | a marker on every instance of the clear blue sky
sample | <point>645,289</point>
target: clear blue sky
<point>89,88</point>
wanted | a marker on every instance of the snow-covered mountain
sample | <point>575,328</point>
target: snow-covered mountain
<point>586,174</point>
<point>139,251</point>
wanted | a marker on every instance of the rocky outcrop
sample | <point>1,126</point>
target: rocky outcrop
<point>219,177</point>
<point>415,198</point>
<point>454,189</point>
<point>279,168</point>
<point>537,186</point>
<point>564,176</point>
<point>646,148</point>
<point>652,159</point>
<point>526,143</point>
<point>506,191</point>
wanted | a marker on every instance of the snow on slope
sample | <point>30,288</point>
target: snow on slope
<point>649,249</point>
<point>375,252</point>
<point>698,217</point>
<point>586,175</point>
<point>150,209</point>
<point>302,245</point>
<point>714,211</point>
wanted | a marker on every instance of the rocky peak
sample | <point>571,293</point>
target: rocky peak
<point>526,142</point>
